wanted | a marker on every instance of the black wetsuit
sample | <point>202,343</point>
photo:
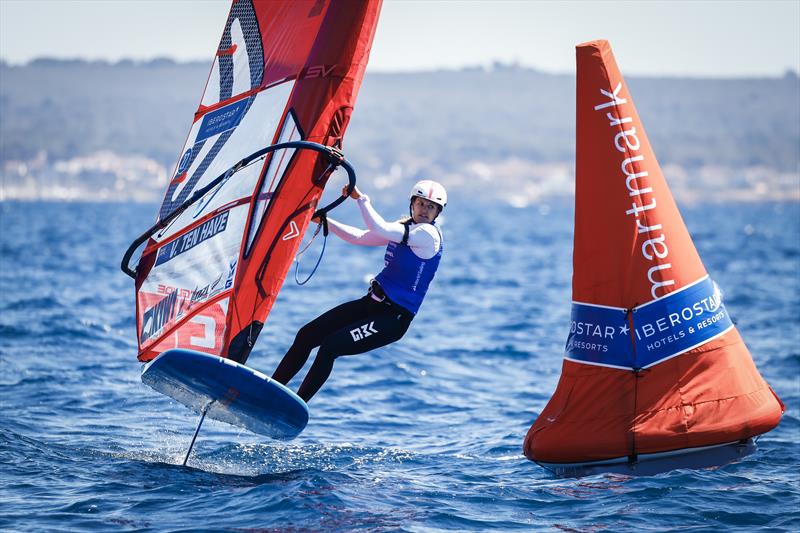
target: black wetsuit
<point>348,329</point>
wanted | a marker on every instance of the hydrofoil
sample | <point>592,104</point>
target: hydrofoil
<point>227,391</point>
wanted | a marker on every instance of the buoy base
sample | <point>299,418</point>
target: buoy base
<point>650,464</point>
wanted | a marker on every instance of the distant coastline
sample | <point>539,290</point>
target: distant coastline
<point>495,66</point>
<point>111,131</point>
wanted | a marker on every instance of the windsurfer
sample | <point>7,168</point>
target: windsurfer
<point>413,250</point>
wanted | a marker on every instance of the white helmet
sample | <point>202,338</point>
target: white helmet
<point>430,190</point>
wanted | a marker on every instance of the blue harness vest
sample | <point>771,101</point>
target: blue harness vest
<point>405,276</point>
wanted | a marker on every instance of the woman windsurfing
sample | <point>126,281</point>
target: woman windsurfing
<point>382,316</point>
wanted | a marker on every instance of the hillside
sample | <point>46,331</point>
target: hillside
<point>495,123</point>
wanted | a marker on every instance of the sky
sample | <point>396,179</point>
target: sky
<point>717,38</point>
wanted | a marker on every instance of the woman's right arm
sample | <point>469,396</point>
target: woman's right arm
<point>355,235</point>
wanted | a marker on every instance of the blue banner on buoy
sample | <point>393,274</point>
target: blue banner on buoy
<point>650,333</point>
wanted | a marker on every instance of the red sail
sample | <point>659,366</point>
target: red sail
<point>284,71</point>
<point>653,361</point>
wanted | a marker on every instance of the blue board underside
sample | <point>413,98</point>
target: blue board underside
<point>657,463</point>
<point>650,333</point>
<point>229,392</point>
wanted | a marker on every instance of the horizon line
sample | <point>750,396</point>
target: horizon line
<point>493,66</point>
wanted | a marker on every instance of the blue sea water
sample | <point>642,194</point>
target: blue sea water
<point>423,435</point>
